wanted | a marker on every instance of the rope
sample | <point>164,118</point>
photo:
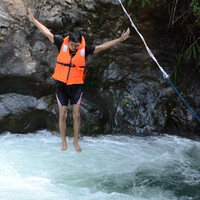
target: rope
<point>165,75</point>
<point>184,100</point>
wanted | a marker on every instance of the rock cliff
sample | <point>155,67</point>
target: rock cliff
<point>124,90</point>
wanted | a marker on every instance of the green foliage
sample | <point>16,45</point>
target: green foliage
<point>128,99</point>
<point>144,2</point>
<point>185,12</point>
<point>131,4</point>
<point>196,10</point>
<point>193,51</point>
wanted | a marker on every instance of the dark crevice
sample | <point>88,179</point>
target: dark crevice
<point>24,86</point>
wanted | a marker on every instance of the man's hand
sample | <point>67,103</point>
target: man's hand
<point>125,35</point>
<point>40,26</point>
<point>111,43</point>
<point>30,15</point>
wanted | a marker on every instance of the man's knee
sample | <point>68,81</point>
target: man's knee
<point>63,115</point>
<point>76,115</point>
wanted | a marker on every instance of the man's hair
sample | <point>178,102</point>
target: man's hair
<point>75,37</point>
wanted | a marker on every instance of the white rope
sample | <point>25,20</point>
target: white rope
<point>165,75</point>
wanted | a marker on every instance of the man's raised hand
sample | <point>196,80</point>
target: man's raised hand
<point>125,34</point>
<point>30,14</point>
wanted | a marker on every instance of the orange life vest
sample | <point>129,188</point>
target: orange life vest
<point>70,70</point>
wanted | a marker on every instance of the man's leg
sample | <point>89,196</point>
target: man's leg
<point>63,126</point>
<point>77,124</point>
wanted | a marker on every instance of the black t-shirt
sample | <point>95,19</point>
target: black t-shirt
<point>59,41</point>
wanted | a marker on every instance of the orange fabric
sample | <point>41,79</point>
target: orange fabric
<point>73,74</point>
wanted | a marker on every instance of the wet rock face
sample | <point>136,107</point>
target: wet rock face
<point>124,90</point>
<point>24,113</point>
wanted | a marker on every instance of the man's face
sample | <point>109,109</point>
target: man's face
<point>74,45</point>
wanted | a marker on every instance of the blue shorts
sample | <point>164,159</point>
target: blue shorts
<point>68,93</point>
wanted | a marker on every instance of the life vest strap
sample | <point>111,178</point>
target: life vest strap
<point>85,72</point>
<point>70,65</point>
<point>67,65</point>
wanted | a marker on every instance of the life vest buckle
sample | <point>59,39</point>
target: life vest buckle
<point>67,65</point>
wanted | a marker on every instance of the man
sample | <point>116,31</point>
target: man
<point>69,74</point>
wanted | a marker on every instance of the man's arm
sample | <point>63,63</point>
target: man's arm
<point>40,26</point>
<point>111,43</point>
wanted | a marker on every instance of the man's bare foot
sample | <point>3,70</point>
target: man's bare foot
<point>64,146</point>
<point>77,147</point>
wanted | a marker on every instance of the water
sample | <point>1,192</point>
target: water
<point>32,167</point>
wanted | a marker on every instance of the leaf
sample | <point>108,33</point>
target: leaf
<point>130,2</point>
<point>194,52</point>
<point>143,3</point>
<point>189,53</point>
<point>175,76</point>
<point>198,62</point>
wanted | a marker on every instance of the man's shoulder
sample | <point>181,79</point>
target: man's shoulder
<point>58,38</point>
<point>89,50</point>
